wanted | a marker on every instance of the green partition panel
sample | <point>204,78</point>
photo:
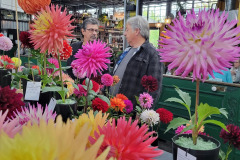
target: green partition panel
<point>227,96</point>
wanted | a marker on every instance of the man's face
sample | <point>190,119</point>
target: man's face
<point>236,64</point>
<point>90,33</point>
<point>130,34</point>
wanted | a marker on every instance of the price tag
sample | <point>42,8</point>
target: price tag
<point>52,104</point>
<point>32,91</point>
<point>183,155</point>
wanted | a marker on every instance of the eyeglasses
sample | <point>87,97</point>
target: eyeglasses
<point>92,30</point>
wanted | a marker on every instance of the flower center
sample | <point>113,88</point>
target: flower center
<point>198,26</point>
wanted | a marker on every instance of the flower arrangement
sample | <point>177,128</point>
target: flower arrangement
<point>199,44</point>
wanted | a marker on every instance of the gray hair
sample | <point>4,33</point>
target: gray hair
<point>138,22</point>
<point>87,21</point>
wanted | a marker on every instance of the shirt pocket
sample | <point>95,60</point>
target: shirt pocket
<point>141,66</point>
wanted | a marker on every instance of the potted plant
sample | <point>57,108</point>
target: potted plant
<point>200,44</point>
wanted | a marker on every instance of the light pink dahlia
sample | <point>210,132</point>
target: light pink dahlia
<point>145,100</point>
<point>5,43</point>
<point>92,59</point>
<point>200,44</point>
<point>107,80</point>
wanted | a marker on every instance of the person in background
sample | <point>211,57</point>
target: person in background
<point>137,60</point>
<point>235,71</point>
<point>225,77</point>
<point>89,31</point>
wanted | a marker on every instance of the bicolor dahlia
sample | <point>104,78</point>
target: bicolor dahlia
<point>51,26</point>
<point>232,137</point>
<point>80,92</point>
<point>149,83</point>
<point>121,96</point>
<point>99,105</point>
<point>165,115</point>
<point>150,117</point>
<point>7,62</point>
<point>200,44</point>
<point>96,86</point>
<point>129,106</point>
<point>31,7</point>
<point>10,127</point>
<point>92,59</point>
<point>10,100</point>
<point>34,114</point>
<point>65,53</point>
<point>115,80</point>
<point>5,43</point>
<point>55,63</point>
<point>117,104</point>
<point>24,37</point>
<point>127,140</point>
<point>107,80</point>
<point>145,100</point>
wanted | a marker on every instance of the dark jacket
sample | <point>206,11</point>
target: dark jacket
<point>146,61</point>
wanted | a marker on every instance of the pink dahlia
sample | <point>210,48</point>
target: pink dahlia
<point>51,26</point>
<point>145,100</point>
<point>129,106</point>
<point>54,62</point>
<point>200,44</point>
<point>127,140</point>
<point>180,128</point>
<point>79,74</point>
<point>5,43</point>
<point>107,80</point>
<point>92,59</point>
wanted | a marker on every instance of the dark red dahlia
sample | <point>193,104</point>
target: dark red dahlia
<point>97,79</point>
<point>232,137</point>
<point>165,115</point>
<point>24,37</point>
<point>99,105</point>
<point>10,100</point>
<point>96,86</point>
<point>149,83</point>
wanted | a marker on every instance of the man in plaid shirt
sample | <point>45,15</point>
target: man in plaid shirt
<point>136,61</point>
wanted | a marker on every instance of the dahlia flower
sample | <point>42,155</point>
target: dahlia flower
<point>24,37</point>
<point>50,141</point>
<point>79,74</point>
<point>97,79</point>
<point>37,67</point>
<point>96,87</point>
<point>145,100</point>
<point>65,53</point>
<point>17,62</point>
<point>55,63</point>
<point>107,80</point>
<point>117,104</point>
<point>121,96</point>
<point>51,26</point>
<point>165,115</point>
<point>232,137</point>
<point>10,100</point>
<point>129,106</point>
<point>150,117</point>
<point>1,35</point>
<point>115,80</point>
<point>180,128</point>
<point>10,127</point>
<point>127,140</point>
<point>92,59</point>
<point>34,114</point>
<point>80,92</point>
<point>200,44</point>
<point>7,62</point>
<point>5,43</point>
<point>33,6</point>
<point>99,105</point>
<point>149,83</point>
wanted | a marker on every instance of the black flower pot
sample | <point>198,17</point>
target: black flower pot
<point>5,77</point>
<point>199,154</point>
<point>65,111</point>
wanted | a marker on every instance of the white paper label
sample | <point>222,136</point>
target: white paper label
<point>33,91</point>
<point>52,104</point>
<point>183,155</point>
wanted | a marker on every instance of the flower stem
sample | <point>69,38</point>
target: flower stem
<point>229,150</point>
<point>45,63</point>
<point>61,81</point>
<point>85,108</point>
<point>195,128</point>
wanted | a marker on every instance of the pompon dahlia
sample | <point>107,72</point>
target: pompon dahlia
<point>150,117</point>
<point>34,114</point>
<point>96,86</point>
<point>51,26</point>
<point>92,59</point>
<point>5,43</point>
<point>121,96</point>
<point>149,83</point>
<point>107,80</point>
<point>10,100</point>
<point>10,127</point>
<point>80,92</point>
<point>129,106</point>
<point>65,53</point>
<point>9,64</point>
<point>117,104</point>
<point>145,100</point>
<point>165,115</point>
<point>115,80</point>
<point>31,7</point>
<point>51,141</point>
<point>99,105</point>
<point>24,37</point>
<point>232,137</point>
<point>200,44</point>
<point>127,140</point>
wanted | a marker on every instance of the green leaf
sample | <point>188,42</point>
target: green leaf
<point>224,112</point>
<point>90,97</point>
<point>222,155</point>
<point>185,96</point>
<point>139,109</point>
<point>75,86</point>
<point>104,98</point>
<point>187,128</point>
<point>204,111</point>
<point>92,92</point>
<point>95,113</point>
<point>90,84</point>
<point>85,87</point>
<point>216,123</point>
<point>136,97</point>
<point>176,122</point>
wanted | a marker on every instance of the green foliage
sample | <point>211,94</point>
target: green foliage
<point>176,122</point>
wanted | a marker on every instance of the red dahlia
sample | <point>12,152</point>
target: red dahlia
<point>149,83</point>
<point>99,105</point>
<point>65,53</point>
<point>165,115</point>
<point>232,137</point>
<point>96,86</point>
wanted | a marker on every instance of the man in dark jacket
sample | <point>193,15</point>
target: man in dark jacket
<point>136,61</point>
<point>90,33</point>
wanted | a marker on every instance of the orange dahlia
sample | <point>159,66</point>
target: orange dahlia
<point>66,51</point>
<point>50,28</point>
<point>121,96</point>
<point>32,6</point>
<point>115,80</point>
<point>117,104</point>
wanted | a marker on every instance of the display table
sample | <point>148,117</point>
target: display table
<point>165,156</point>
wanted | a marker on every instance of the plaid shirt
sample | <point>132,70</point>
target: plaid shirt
<point>145,61</point>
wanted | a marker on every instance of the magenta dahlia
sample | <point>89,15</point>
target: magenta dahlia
<point>129,106</point>
<point>107,80</point>
<point>200,44</point>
